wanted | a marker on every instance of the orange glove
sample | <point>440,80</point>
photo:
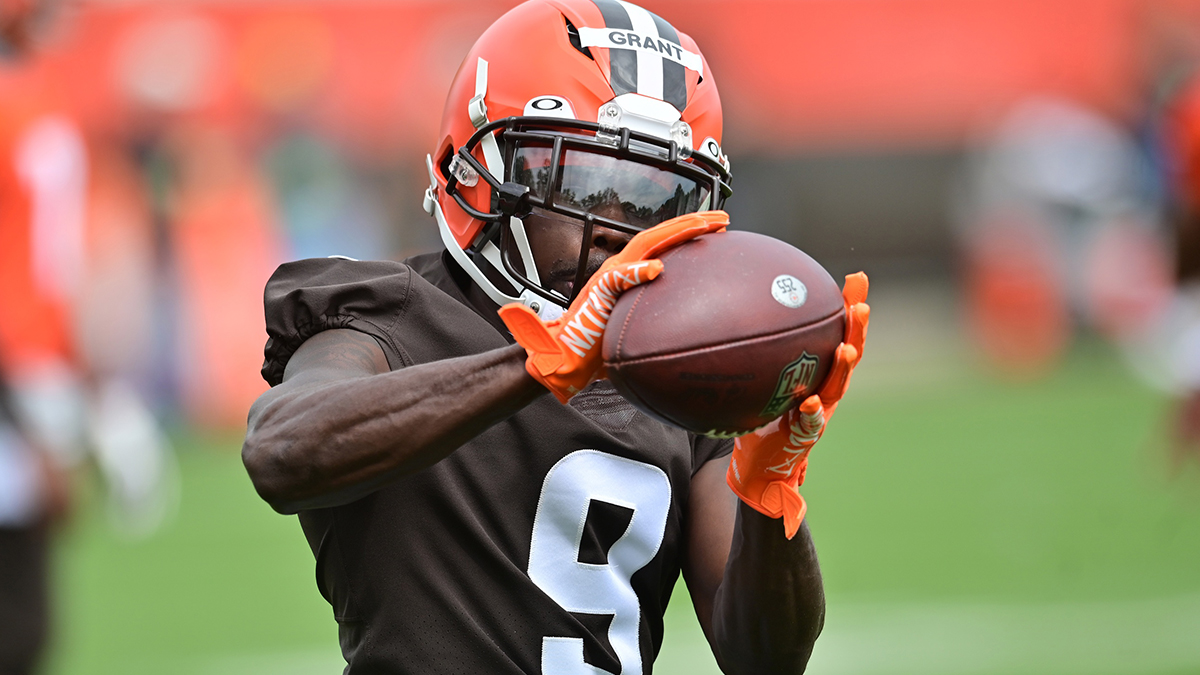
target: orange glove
<point>768,464</point>
<point>564,354</point>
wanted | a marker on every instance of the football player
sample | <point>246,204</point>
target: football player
<point>33,484</point>
<point>55,405</point>
<point>464,521</point>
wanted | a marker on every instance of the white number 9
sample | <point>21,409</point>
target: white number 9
<point>558,528</point>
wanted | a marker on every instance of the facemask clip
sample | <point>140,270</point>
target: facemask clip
<point>546,310</point>
<point>513,199</point>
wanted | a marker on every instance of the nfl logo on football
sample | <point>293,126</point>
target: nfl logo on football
<point>797,376</point>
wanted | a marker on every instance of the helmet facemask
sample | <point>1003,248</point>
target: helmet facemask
<point>570,173</point>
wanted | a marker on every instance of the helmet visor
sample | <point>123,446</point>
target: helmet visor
<point>619,190</point>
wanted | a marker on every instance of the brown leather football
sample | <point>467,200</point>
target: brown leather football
<point>736,328</point>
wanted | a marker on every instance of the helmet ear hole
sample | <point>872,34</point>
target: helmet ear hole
<point>576,41</point>
<point>443,162</point>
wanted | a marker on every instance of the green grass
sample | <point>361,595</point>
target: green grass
<point>964,525</point>
<point>1050,492</point>
<point>227,578</point>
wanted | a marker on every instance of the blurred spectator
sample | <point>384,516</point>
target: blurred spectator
<point>39,153</point>
<point>1059,230</point>
<point>33,495</point>
<point>324,208</point>
<point>65,329</point>
<point>224,240</point>
<point>1175,340</point>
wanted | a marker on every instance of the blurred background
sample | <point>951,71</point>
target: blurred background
<point>1013,485</point>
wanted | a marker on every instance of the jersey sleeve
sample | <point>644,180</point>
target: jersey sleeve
<point>306,297</point>
<point>705,449</point>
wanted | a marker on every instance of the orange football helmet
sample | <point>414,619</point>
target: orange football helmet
<point>596,110</point>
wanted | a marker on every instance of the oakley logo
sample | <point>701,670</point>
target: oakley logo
<point>549,106</point>
<point>711,148</point>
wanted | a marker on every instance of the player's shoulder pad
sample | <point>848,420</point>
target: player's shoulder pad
<point>305,297</point>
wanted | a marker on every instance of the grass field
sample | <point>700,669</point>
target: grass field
<point>964,526</point>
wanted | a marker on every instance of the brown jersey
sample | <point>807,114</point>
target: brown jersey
<point>549,543</point>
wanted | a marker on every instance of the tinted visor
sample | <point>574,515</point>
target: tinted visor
<point>620,190</point>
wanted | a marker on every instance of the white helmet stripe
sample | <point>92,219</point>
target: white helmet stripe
<point>644,52</point>
<point>649,64</point>
<point>664,49</point>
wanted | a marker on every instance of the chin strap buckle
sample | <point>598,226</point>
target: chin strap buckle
<point>430,201</point>
<point>476,108</point>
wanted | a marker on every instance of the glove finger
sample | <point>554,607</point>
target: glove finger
<point>811,405</point>
<point>857,317</point>
<point>528,329</point>
<point>855,290</point>
<point>649,243</point>
<point>812,417</point>
<point>695,225</point>
<point>838,379</point>
<point>805,423</point>
<point>611,280</point>
<point>627,275</point>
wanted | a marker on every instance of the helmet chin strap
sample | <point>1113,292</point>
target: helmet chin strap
<point>517,227</point>
<point>477,110</point>
<point>546,310</point>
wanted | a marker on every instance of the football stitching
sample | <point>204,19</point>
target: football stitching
<point>628,316</point>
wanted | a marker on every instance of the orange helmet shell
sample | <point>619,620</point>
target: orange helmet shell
<point>529,54</point>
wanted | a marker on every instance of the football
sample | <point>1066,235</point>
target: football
<point>736,328</point>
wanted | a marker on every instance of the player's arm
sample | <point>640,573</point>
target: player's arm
<point>342,424</point>
<point>758,594</point>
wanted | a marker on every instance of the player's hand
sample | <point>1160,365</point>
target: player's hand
<point>564,354</point>
<point>769,464</point>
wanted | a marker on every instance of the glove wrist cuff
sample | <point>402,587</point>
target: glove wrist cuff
<point>543,380</point>
<point>777,499</point>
